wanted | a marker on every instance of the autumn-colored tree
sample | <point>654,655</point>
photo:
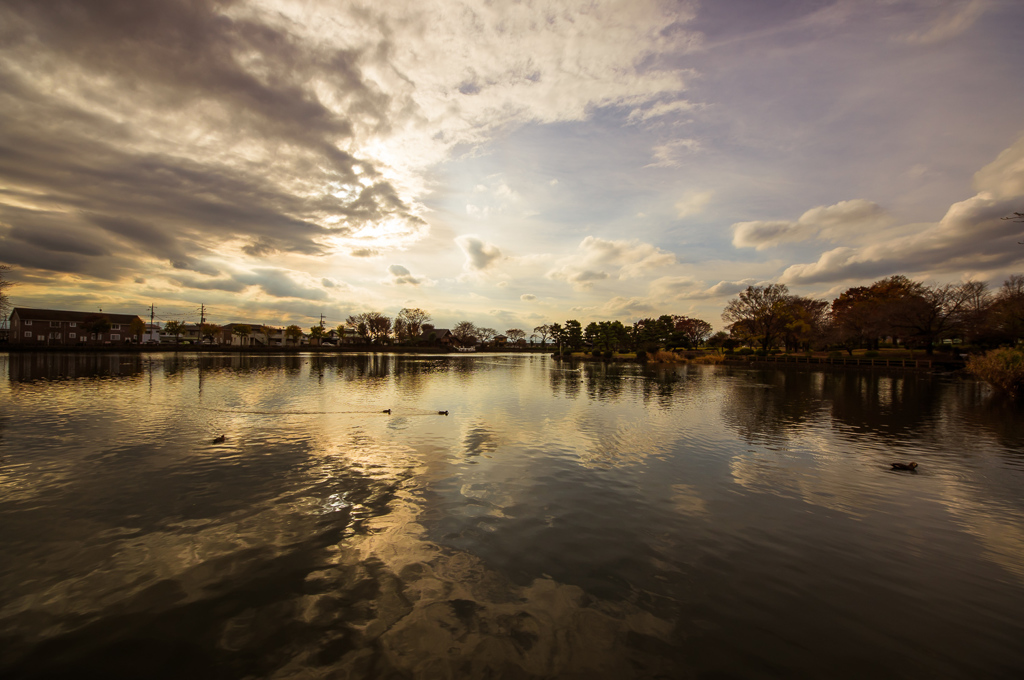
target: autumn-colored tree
<point>759,313</point>
<point>294,333</point>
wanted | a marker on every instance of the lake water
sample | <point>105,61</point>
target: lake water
<point>584,521</point>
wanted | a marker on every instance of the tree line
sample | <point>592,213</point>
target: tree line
<point>896,308</point>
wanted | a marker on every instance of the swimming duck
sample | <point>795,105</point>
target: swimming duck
<point>220,439</point>
<point>387,410</point>
<point>442,413</point>
<point>904,466</point>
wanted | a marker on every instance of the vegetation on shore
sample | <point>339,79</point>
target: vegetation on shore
<point>1002,368</point>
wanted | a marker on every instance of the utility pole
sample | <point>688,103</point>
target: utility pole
<point>202,320</point>
<point>152,313</point>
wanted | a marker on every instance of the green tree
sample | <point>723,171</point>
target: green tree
<point>174,328</point>
<point>317,333</point>
<point>574,334</point>
<point>293,333</point>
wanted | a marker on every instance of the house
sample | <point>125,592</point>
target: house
<point>245,335</point>
<point>438,336</point>
<point>60,327</point>
<point>152,334</point>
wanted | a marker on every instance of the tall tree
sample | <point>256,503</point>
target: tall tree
<point>929,316</point>
<point>463,331</point>
<point>515,335</point>
<point>573,334</point>
<point>760,313</point>
<point>544,332</point>
<point>294,333</point>
<point>412,320</point>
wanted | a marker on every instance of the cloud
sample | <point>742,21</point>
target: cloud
<point>971,236</point>
<point>628,259</point>
<point>951,22</point>
<point>527,297</point>
<point>364,252</point>
<point>658,109</point>
<point>842,220</point>
<point>671,154</point>
<point>400,275</point>
<point>479,255</point>
<point>693,203</point>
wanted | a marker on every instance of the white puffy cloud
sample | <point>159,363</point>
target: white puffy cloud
<point>626,259</point>
<point>842,220</point>
<point>971,236</point>
<point>527,297</point>
<point>479,254</point>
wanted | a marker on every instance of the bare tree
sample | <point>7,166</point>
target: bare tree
<point>5,302</point>
<point>412,320</point>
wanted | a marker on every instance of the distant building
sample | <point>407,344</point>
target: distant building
<point>438,336</point>
<point>59,327</point>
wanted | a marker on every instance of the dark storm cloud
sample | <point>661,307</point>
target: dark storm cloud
<point>96,96</point>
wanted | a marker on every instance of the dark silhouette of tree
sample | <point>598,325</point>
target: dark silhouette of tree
<point>411,321</point>
<point>5,302</point>
<point>759,313</point>
<point>463,331</point>
<point>544,332</point>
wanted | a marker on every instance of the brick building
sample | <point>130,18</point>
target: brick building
<point>58,327</point>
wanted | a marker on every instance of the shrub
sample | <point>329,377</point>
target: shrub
<point>709,359</point>
<point>1001,368</point>
<point>641,356</point>
<point>596,354</point>
<point>607,354</point>
<point>835,355</point>
<point>745,351</point>
<point>761,353</point>
<point>661,356</point>
<point>871,354</point>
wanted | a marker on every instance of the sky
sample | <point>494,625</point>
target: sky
<point>510,163</point>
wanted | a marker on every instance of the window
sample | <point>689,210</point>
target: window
<point>55,324</point>
<point>28,322</point>
<point>115,326</point>
<point>28,334</point>
<point>72,335</point>
<point>115,336</point>
<point>73,324</point>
